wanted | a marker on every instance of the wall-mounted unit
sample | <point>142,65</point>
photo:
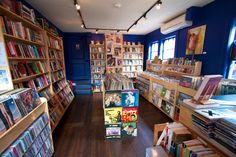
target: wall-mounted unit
<point>175,24</point>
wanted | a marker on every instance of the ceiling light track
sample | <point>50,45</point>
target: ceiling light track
<point>158,4</point>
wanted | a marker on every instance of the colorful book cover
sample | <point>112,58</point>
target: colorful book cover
<point>5,117</point>
<point>129,114</point>
<point>2,126</point>
<point>113,115</point>
<point>130,98</point>
<point>129,129</point>
<point>113,131</point>
<point>112,99</point>
<point>163,92</point>
<point>12,110</point>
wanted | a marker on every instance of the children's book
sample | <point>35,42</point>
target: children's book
<point>112,99</point>
<point>130,98</point>
<point>129,114</point>
<point>113,131</point>
<point>112,115</point>
<point>129,129</point>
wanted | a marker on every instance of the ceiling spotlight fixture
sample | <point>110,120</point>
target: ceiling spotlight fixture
<point>118,31</point>
<point>96,31</point>
<point>82,26</point>
<point>145,16</point>
<point>159,3</point>
<point>77,6</point>
<point>117,5</point>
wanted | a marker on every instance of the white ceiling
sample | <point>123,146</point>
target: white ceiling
<point>102,13</point>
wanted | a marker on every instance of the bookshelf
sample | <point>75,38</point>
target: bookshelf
<point>133,59</point>
<point>163,94</point>
<point>97,65</point>
<point>13,133</point>
<point>36,60</point>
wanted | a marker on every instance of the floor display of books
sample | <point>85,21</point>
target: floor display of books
<point>120,107</point>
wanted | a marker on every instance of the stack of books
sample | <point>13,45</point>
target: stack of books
<point>117,82</point>
<point>177,140</point>
<point>35,141</point>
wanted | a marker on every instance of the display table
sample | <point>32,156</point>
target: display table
<point>186,118</point>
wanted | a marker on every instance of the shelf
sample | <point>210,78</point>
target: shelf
<point>133,65</point>
<point>53,36</point>
<point>164,99</point>
<point>182,66</point>
<point>187,91</point>
<point>27,78</point>
<point>139,46</point>
<point>61,89</point>
<point>26,59</point>
<point>129,71</point>
<point>133,52</point>
<point>97,59</point>
<point>15,131</point>
<point>43,88</point>
<point>58,80</point>
<point>57,70</point>
<point>175,73</point>
<point>17,39</point>
<point>56,59</point>
<point>133,59</point>
<point>53,48</point>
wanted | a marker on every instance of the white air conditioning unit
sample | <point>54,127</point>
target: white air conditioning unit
<point>175,24</point>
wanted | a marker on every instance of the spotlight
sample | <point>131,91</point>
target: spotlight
<point>145,16</point>
<point>118,31</point>
<point>82,26</point>
<point>96,31</point>
<point>159,3</point>
<point>77,6</point>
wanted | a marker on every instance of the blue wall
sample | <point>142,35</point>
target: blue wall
<point>219,17</point>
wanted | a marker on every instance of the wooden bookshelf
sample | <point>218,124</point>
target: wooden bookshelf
<point>45,46</point>
<point>97,57</point>
<point>7,138</point>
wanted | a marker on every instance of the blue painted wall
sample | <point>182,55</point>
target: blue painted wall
<point>219,18</point>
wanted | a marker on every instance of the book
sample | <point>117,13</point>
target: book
<point>130,98</point>
<point>129,114</point>
<point>129,129</point>
<point>113,131</point>
<point>112,115</point>
<point>207,87</point>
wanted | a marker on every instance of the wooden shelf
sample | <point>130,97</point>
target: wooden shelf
<point>60,59</point>
<point>26,59</point>
<point>182,66</point>
<point>61,89</point>
<point>57,70</point>
<point>133,65</point>
<point>58,80</point>
<point>133,52</point>
<point>164,99</point>
<point>17,39</point>
<point>43,88</point>
<point>133,58</point>
<point>53,36</point>
<point>176,73</point>
<point>187,91</point>
<point>15,131</point>
<point>27,77</point>
<point>53,48</point>
<point>16,17</point>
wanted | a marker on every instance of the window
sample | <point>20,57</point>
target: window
<point>167,48</point>
<point>153,50</point>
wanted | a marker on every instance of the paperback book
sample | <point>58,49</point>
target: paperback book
<point>113,131</point>
<point>130,98</point>
<point>113,115</point>
<point>129,129</point>
<point>129,114</point>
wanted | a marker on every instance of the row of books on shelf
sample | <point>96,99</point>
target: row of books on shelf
<point>133,56</point>
<point>23,69</point>
<point>179,142</point>
<point>115,81</point>
<point>48,27</point>
<point>142,85</point>
<point>133,62</point>
<point>36,83</point>
<point>97,56</point>
<point>54,54</point>
<point>180,69</point>
<point>130,75</point>
<point>59,85</point>
<point>98,63</point>
<point>97,76</point>
<point>15,105</point>
<point>46,93</point>
<point>15,49</point>
<point>97,69</point>
<point>56,115</point>
<point>55,65</point>
<point>17,29</point>
<point>218,124</point>
<point>35,141</point>
<point>133,49</point>
<point>132,68</point>
<point>181,61</point>
<point>163,92</point>
<point>227,87</point>
<point>97,49</point>
<point>54,43</point>
<point>56,76</point>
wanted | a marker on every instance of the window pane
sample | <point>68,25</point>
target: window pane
<point>168,48</point>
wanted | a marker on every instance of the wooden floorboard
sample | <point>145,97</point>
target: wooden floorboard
<point>81,131</point>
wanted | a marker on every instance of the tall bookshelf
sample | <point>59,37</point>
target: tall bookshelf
<point>36,60</point>
<point>97,65</point>
<point>133,59</point>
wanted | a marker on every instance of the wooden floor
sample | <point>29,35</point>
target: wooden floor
<point>81,132</point>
